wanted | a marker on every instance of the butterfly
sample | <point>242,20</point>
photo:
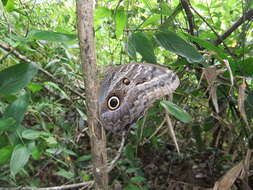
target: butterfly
<point>128,90</point>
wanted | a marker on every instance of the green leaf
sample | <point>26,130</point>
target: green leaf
<point>5,124</point>
<point>16,77</point>
<point>101,13</point>
<point>121,20</point>
<point>132,187</point>
<point>5,154</point>
<point>138,42</point>
<point>36,153</point>
<point>243,67</point>
<point>3,140</point>
<point>19,158</point>
<point>172,42</point>
<point>65,174</point>
<point>4,2</point>
<point>30,134</point>
<point>52,36</point>
<point>176,111</point>
<point>34,87</point>
<point>138,179</point>
<point>153,19</point>
<point>17,108</point>
<point>9,5</point>
<point>84,158</point>
<point>209,46</point>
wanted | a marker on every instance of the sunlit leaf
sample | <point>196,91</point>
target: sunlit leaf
<point>34,87</point>
<point>5,154</point>
<point>52,36</point>
<point>19,158</point>
<point>9,5</point>
<point>172,42</point>
<point>16,77</point>
<point>176,111</point>
<point>120,20</point>
<point>138,42</point>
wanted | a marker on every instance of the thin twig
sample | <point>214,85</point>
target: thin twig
<point>217,35</point>
<point>114,161</point>
<point>247,16</point>
<point>62,187</point>
<point>25,59</point>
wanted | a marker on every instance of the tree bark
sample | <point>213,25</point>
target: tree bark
<point>88,60</point>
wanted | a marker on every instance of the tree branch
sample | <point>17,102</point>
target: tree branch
<point>186,7</point>
<point>89,63</point>
<point>247,16</point>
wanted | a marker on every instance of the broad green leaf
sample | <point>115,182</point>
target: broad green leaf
<point>209,46</point>
<point>176,111</point>
<point>100,14</point>
<point>19,158</point>
<point>9,5</point>
<point>138,42</point>
<point>16,77</point>
<point>69,152</point>
<point>52,36</point>
<point>5,154</point>
<point>138,179</point>
<point>30,134</point>
<point>65,174</point>
<point>152,20</point>
<point>120,20</point>
<point>84,158</point>
<point>36,153</point>
<point>34,87</point>
<point>5,124</point>
<point>17,108</point>
<point>172,42</point>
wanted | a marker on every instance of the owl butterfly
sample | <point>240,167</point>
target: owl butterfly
<point>127,91</point>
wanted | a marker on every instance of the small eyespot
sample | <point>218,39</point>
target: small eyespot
<point>113,102</point>
<point>126,81</point>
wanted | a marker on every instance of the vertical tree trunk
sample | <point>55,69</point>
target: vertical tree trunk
<point>88,59</point>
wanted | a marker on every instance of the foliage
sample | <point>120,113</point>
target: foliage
<point>43,131</point>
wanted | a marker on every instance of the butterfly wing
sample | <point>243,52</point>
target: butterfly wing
<point>135,86</point>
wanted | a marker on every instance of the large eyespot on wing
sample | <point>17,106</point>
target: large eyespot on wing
<point>113,102</point>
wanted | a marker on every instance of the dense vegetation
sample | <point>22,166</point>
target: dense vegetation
<point>44,137</point>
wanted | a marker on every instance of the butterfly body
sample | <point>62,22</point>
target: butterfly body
<point>127,91</point>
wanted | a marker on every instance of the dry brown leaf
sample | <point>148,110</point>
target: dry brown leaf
<point>214,97</point>
<point>230,73</point>
<point>241,100</point>
<point>229,178</point>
